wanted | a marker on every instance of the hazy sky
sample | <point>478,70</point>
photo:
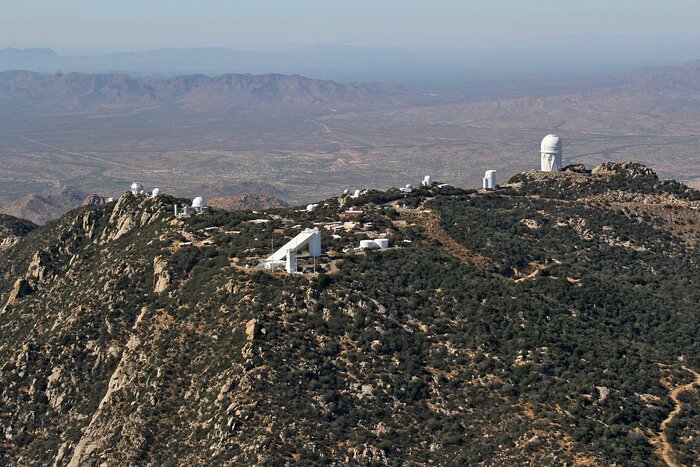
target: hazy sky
<point>108,25</point>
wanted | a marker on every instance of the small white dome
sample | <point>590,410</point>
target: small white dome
<point>408,186</point>
<point>136,188</point>
<point>551,144</point>
<point>198,202</point>
<point>156,192</point>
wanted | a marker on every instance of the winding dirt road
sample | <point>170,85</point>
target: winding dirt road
<point>664,447</point>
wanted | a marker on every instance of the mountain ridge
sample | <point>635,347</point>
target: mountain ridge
<point>558,331</point>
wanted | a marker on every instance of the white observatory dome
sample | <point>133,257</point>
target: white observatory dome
<point>136,188</point>
<point>551,144</point>
<point>156,192</point>
<point>551,154</point>
<point>198,202</point>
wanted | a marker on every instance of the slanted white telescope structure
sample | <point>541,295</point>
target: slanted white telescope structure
<point>551,151</point>
<point>287,254</point>
<point>490,180</point>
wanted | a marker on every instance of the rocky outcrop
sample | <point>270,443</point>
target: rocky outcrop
<point>161,275</point>
<point>20,289</point>
<point>576,168</point>
<point>94,435</point>
<point>130,212</point>
<point>94,200</point>
<point>630,169</point>
<point>12,230</point>
<point>251,329</point>
<point>38,268</point>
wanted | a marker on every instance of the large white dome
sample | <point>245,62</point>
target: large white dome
<point>136,188</point>
<point>198,202</point>
<point>551,144</point>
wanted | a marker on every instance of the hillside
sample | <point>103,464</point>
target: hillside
<point>551,322</point>
<point>252,201</point>
<point>12,229</point>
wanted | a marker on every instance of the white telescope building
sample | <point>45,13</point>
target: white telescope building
<point>490,180</point>
<point>287,255</point>
<point>137,188</point>
<point>551,151</point>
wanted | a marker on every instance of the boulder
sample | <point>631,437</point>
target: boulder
<point>19,290</point>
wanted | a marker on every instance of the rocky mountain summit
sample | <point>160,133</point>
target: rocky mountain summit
<point>552,321</point>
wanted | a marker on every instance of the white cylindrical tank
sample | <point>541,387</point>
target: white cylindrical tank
<point>198,202</point>
<point>155,193</point>
<point>368,244</point>
<point>382,242</point>
<point>551,154</point>
<point>136,188</point>
<point>489,180</point>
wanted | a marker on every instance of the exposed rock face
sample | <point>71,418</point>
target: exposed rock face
<point>20,289</point>
<point>94,200</point>
<point>12,230</point>
<point>96,434</point>
<point>162,277</point>
<point>629,169</point>
<point>37,268</point>
<point>576,168</point>
<point>125,217</point>
<point>611,182</point>
<point>530,224</point>
<point>251,329</point>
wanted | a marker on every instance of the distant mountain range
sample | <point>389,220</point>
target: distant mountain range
<point>41,208</point>
<point>76,92</point>
<point>466,67</point>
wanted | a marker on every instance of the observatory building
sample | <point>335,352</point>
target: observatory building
<point>137,188</point>
<point>287,255</point>
<point>489,180</point>
<point>551,151</point>
<point>198,207</point>
<point>371,244</point>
